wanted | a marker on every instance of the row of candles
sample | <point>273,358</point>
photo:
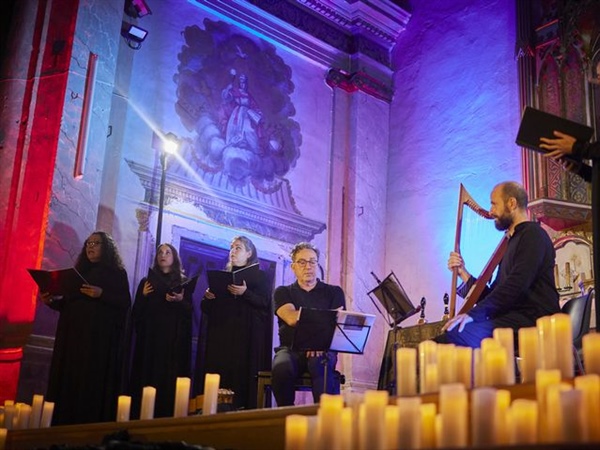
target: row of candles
<point>21,416</point>
<point>482,417</point>
<point>562,412</point>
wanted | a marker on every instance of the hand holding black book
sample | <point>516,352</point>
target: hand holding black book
<point>218,280</point>
<point>158,282</point>
<point>58,282</point>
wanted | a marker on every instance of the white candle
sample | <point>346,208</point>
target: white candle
<point>494,361</point>
<point>483,405</point>
<point>464,366</point>
<point>211,393</point>
<point>23,416</point>
<point>590,386</point>
<point>36,411</point>
<point>372,426</point>
<point>406,371</point>
<point>427,358</point>
<point>591,352</point>
<point>506,337</point>
<point>572,424</point>
<point>296,430</point>
<point>47,411</point>
<point>123,408</point>
<point>428,421</point>
<point>446,359</point>
<point>392,422</point>
<point>10,416</point>
<point>454,415</point>
<point>544,379</point>
<point>348,435</point>
<point>431,378</point>
<point>524,422</point>
<point>546,344</point>
<point>148,401</point>
<point>554,413</point>
<point>3,434</point>
<point>563,340</point>
<point>329,424</point>
<point>528,354</point>
<point>408,429</point>
<point>501,416</point>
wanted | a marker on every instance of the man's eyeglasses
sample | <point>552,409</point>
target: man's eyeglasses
<point>310,262</point>
<point>92,244</point>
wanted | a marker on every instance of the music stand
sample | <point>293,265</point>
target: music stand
<point>327,330</point>
<point>396,303</point>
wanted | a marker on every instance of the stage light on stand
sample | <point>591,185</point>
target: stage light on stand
<point>133,34</point>
<point>168,145</point>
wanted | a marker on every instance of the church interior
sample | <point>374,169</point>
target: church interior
<point>349,124</point>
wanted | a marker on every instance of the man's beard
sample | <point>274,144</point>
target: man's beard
<point>503,222</point>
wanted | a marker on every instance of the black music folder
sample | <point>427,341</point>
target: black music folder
<point>58,282</point>
<point>332,329</point>
<point>218,280</point>
<point>536,124</point>
<point>156,280</point>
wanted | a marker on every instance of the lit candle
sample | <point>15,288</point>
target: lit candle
<point>446,361</point>
<point>427,358</point>
<point>590,386</point>
<point>23,416</point>
<point>296,431</point>
<point>454,415</point>
<point>123,408</point>
<point>10,416</point>
<point>544,379</point>
<point>36,411</point>
<point>348,437</point>
<point>211,393</point>
<point>464,366</point>
<point>563,341</point>
<point>502,416</point>
<point>524,422</point>
<point>572,424</point>
<point>47,411</point>
<point>372,435</point>
<point>182,397</point>
<point>528,351</point>
<point>506,337</point>
<point>546,344</point>
<point>431,378</point>
<point>483,405</point>
<point>553,413</point>
<point>477,368</point>
<point>428,420</point>
<point>406,371</point>
<point>148,401</point>
<point>408,429</point>
<point>3,434</point>
<point>329,421</point>
<point>392,422</point>
<point>494,366</point>
<point>591,352</point>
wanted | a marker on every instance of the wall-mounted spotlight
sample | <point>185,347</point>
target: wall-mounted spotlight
<point>133,34</point>
<point>137,8</point>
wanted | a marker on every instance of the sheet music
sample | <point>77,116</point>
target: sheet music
<point>351,332</point>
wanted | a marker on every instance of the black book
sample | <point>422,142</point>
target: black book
<point>58,282</point>
<point>158,282</point>
<point>218,280</point>
<point>536,124</point>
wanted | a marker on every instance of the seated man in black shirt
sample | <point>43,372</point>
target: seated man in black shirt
<point>309,292</point>
<point>524,288</point>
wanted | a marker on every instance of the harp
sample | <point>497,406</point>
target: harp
<point>477,289</point>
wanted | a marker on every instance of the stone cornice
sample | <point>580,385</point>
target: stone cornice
<point>273,215</point>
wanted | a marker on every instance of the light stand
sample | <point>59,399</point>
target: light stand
<point>169,145</point>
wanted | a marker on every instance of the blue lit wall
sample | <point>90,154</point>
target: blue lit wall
<point>454,120</point>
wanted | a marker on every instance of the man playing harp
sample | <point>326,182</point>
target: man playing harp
<point>524,288</point>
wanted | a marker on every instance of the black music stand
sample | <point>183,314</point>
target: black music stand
<point>397,305</point>
<point>325,330</point>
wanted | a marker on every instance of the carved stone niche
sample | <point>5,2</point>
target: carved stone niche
<point>561,214</point>
<point>574,271</point>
